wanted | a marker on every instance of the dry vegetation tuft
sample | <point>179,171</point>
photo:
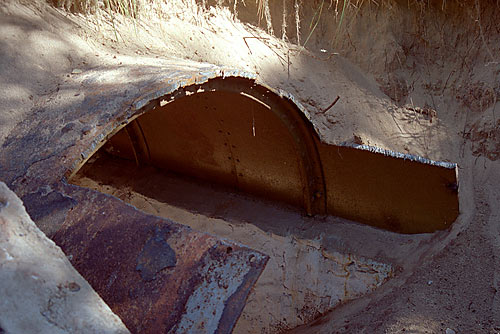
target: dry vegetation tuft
<point>345,12</point>
<point>129,8</point>
<point>333,21</point>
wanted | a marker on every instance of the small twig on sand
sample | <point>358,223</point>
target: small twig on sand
<point>288,59</point>
<point>446,83</point>
<point>262,39</point>
<point>331,105</point>
<point>245,40</point>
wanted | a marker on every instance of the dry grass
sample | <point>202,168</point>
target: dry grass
<point>129,8</point>
<point>341,15</point>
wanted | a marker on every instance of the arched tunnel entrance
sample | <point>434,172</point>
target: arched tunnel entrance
<point>234,132</point>
<point>249,139</point>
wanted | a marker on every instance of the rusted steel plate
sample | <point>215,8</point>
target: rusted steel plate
<point>56,140</point>
<point>230,131</point>
<point>203,136</point>
<point>156,275</point>
<point>401,193</point>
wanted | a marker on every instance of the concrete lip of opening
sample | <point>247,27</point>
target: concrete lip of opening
<point>118,248</point>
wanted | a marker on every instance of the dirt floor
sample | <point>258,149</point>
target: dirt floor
<point>411,78</point>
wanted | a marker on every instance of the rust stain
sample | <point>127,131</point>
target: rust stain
<point>147,268</point>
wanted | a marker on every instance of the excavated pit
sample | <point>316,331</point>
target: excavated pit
<point>233,158</point>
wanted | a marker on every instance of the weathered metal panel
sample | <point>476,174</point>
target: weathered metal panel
<point>40,292</point>
<point>187,136</point>
<point>397,192</point>
<point>57,139</point>
<point>223,137</point>
<point>156,275</point>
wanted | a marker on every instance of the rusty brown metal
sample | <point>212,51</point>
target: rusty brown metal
<point>241,134</point>
<point>397,193</point>
<point>234,133</point>
<point>157,276</point>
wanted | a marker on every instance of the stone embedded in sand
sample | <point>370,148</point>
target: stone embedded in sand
<point>40,291</point>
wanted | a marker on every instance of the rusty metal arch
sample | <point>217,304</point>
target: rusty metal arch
<point>394,191</point>
<point>132,141</point>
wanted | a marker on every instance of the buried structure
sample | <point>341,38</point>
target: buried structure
<point>221,126</point>
<point>235,132</point>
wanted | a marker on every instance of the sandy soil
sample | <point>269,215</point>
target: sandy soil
<point>438,102</point>
<point>315,263</point>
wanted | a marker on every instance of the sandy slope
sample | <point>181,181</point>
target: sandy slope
<point>451,278</point>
